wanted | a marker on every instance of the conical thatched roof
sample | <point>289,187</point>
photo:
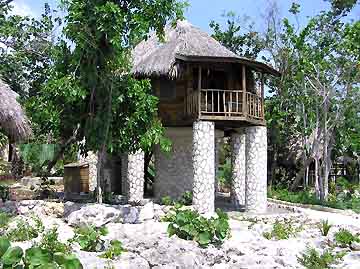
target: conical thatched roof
<point>185,42</point>
<point>13,121</point>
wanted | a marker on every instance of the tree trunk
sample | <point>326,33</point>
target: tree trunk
<point>316,174</point>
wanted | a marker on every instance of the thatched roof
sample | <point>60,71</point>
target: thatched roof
<point>13,121</point>
<point>187,43</point>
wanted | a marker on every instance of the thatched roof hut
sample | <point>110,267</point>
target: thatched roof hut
<point>13,121</point>
<point>184,43</point>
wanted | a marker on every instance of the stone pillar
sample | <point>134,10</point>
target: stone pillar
<point>238,166</point>
<point>256,169</point>
<point>92,159</point>
<point>204,166</point>
<point>133,168</point>
<point>174,170</point>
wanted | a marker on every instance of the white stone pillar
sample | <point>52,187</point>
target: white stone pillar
<point>133,168</point>
<point>204,166</point>
<point>256,169</point>
<point>238,167</point>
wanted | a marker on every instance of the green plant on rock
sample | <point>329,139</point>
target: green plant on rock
<point>35,257</point>
<point>312,259</point>
<point>24,232</point>
<point>89,238</point>
<point>282,230</point>
<point>190,225</point>
<point>324,227</point>
<point>344,238</point>
<point>114,250</point>
<point>50,241</point>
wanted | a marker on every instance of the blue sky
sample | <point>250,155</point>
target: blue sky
<point>201,12</point>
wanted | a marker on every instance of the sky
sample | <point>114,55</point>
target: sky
<point>201,12</point>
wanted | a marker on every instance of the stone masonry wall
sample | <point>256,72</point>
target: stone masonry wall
<point>256,169</point>
<point>134,167</point>
<point>204,166</point>
<point>91,159</point>
<point>174,170</point>
<point>238,163</point>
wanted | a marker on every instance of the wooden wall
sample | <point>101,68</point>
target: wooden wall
<point>171,110</point>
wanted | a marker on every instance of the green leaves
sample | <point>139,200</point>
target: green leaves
<point>12,256</point>
<point>189,225</point>
<point>114,250</point>
<point>89,238</point>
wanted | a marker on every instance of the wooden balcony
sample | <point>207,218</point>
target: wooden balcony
<point>225,105</point>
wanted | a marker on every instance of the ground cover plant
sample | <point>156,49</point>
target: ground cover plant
<point>282,230</point>
<point>23,231</point>
<point>89,238</point>
<point>35,257</point>
<point>344,238</point>
<point>114,250</point>
<point>190,225</point>
<point>185,199</point>
<point>313,259</point>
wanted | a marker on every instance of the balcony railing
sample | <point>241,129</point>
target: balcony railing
<point>215,104</point>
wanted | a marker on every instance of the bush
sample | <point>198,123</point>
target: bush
<point>89,238</point>
<point>282,231</point>
<point>24,232</point>
<point>4,193</point>
<point>35,257</point>
<point>4,219</point>
<point>344,238</point>
<point>190,225</point>
<point>186,198</point>
<point>114,250</point>
<point>312,259</point>
<point>166,200</point>
<point>50,242</point>
<point>324,227</point>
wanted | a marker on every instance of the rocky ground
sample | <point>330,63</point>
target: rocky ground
<point>148,245</point>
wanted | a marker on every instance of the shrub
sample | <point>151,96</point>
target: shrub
<point>50,242</point>
<point>4,219</point>
<point>190,225</point>
<point>344,238</point>
<point>324,227</point>
<point>312,259</point>
<point>35,257</point>
<point>282,231</point>
<point>166,200</point>
<point>89,238</point>
<point>186,198</point>
<point>114,250</point>
<point>4,192</point>
<point>24,232</point>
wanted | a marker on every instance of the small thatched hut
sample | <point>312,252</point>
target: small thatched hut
<point>13,121</point>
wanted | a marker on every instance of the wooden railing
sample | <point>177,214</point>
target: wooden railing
<point>215,104</point>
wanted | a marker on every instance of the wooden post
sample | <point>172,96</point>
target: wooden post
<point>243,80</point>
<point>199,89</point>
<point>262,96</point>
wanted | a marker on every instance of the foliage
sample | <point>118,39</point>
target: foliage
<point>50,241</point>
<point>282,230</point>
<point>5,218</point>
<point>4,192</point>
<point>324,227</point>
<point>35,257</point>
<point>166,200</point>
<point>24,232</point>
<point>114,250</point>
<point>89,238</point>
<point>190,225</point>
<point>225,173</point>
<point>312,259</point>
<point>186,198</point>
<point>244,43</point>
<point>344,238</point>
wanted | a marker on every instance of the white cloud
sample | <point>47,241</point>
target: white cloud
<point>22,9</point>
